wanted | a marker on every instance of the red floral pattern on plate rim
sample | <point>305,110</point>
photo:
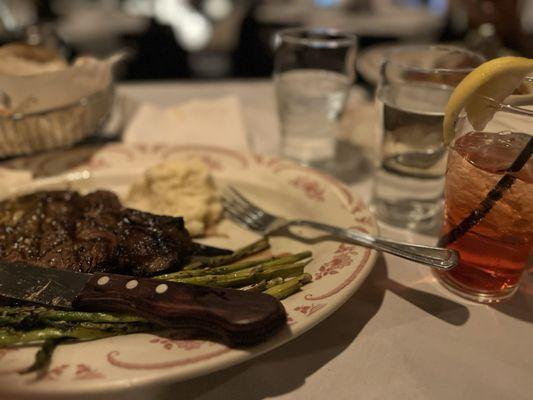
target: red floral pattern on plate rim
<point>347,281</point>
<point>84,371</point>
<point>343,190</point>
<point>170,344</point>
<point>311,188</point>
<point>341,258</point>
<point>308,310</point>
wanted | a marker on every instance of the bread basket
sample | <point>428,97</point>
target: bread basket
<point>32,132</point>
<point>55,109</point>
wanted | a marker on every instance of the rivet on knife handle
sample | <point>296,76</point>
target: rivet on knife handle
<point>238,317</point>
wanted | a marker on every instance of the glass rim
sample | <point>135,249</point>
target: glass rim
<point>332,38</point>
<point>515,103</point>
<point>512,108</point>
<point>434,70</point>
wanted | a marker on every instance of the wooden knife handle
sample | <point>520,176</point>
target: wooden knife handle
<point>237,317</point>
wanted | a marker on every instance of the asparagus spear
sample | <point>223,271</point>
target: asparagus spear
<point>211,271</point>
<point>12,336</point>
<point>22,317</point>
<point>246,276</point>
<point>129,327</point>
<point>256,287</point>
<point>79,330</point>
<point>44,356</point>
<point>11,320</point>
<point>289,287</point>
<point>7,313</point>
<point>284,271</point>
<point>81,316</point>
<point>256,247</point>
<point>58,332</point>
<point>191,266</point>
<point>305,278</point>
<point>269,262</point>
<point>208,271</point>
<point>274,281</point>
<point>264,284</point>
<point>28,317</point>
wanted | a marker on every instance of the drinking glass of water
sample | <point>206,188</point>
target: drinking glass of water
<point>313,72</point>
<point>415,84</point>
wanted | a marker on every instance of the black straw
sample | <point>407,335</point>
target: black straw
<point>492,197</point>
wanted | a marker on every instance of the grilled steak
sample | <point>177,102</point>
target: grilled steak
<point>90,233</point>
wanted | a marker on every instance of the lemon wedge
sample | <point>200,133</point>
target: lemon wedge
<point>495,79</point>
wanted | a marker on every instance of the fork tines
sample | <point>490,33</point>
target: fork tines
<point>244,212</point>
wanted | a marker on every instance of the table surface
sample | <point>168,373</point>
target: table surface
<point>401,336</point>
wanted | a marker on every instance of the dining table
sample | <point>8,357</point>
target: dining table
<point>401,336</point>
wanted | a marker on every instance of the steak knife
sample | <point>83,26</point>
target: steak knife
<point>235,316</point>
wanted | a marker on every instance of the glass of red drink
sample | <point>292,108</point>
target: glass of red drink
<point>489,205</point>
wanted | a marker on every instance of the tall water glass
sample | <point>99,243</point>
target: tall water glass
<point>415,84</point>
<point>313,72</point>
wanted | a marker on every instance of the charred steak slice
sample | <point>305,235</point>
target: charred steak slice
<point>90,233</point>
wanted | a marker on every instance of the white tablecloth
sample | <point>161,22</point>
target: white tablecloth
<point>401,336</point>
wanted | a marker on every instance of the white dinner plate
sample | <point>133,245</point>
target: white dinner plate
<point>280,186</point>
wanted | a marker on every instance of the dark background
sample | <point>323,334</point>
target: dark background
<point>224,39</point>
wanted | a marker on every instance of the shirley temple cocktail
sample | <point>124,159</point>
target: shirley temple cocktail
<point>493,252</point>
<point>489,187</point>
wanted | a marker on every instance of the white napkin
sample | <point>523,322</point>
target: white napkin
<point>205,122</point>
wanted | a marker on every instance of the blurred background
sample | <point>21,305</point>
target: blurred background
<point>225,39</point>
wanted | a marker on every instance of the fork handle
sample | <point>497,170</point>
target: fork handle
<point>435,257</point>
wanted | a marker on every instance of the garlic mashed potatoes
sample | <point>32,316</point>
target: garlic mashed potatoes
<point>179,188</point>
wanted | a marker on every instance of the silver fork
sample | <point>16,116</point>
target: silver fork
<point>250,216</point>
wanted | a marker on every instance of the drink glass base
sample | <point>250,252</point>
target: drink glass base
<point>485,297</point>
